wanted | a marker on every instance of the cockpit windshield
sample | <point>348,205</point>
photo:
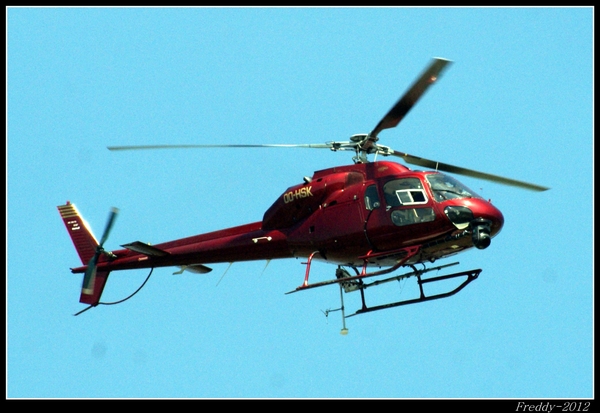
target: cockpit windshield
<point>445,187</point>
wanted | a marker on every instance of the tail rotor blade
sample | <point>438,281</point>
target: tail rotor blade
<point>109,224</point>
<point>87,286</point>
<point>90,273</point>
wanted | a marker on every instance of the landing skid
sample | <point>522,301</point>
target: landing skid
<point>470,276</point>
<point>351,283</point>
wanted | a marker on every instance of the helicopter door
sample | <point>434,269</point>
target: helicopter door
<point>339,222</point>
<point>405,215</point>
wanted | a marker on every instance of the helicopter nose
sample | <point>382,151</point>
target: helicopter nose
<point>478,215</point>
<point>487,222</point>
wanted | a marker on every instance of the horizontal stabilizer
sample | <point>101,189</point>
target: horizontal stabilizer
<point>195,268</point>
<point>145,249</point>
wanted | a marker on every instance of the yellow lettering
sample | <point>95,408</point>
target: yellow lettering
<point>297,194</point>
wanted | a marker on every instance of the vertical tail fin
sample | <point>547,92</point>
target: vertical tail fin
<point>88,249</point>
<point>92,295</point>
<point>79,231</point>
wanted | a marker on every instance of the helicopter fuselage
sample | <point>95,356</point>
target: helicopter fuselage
<point>343,214</point>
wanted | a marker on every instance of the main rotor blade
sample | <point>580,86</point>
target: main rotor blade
<point>138,147</point>
<point>412,95</point>
<point>427,163</point>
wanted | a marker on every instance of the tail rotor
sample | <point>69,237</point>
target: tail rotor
<point>90,273</point>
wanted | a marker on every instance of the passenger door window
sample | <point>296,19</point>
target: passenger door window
<point>400,194</point>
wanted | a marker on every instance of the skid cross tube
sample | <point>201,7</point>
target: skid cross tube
<point>407,275</point>
<point>310,258</point>
<point>471,275</point>
<point>410,252</point>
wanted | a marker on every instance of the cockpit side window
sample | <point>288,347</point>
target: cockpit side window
<point>445,187</point>
<point>405,191</point>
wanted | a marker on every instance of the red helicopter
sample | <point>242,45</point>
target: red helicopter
<point>368,218</point>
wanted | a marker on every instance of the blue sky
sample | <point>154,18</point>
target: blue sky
<point>516,102</point>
